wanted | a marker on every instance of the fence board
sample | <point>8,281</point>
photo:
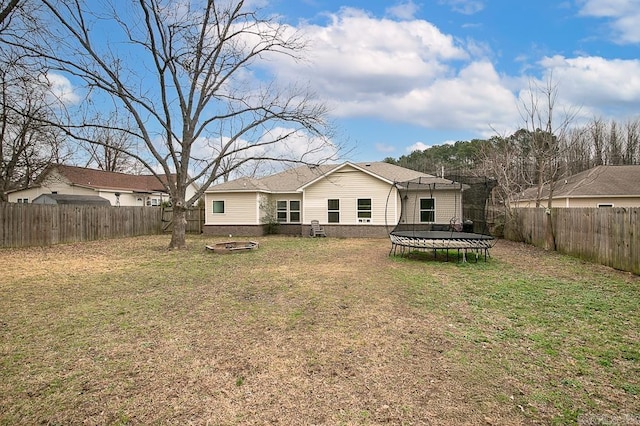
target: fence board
<point>609,236</point>
<point>23,225</point>
<point>194,216</point>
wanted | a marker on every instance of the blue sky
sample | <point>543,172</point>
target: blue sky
<point>405,75</point>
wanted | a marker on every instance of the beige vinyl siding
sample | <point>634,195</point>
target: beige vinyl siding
<point>448,204</point>
<point>584,202</point>
<point>56,186</point>
<point>348,185</point>
<point>29,194</point>
<point>239,209</point>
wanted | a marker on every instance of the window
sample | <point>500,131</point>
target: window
<point>23,200</point>
<point>427,210</point>
<point>333,211</point>
<point>281,207</point>
<point>364,210</point>
<point>605,205</point>
<point>294,211</point>
<point>218,206</point>
<point>288,211</point>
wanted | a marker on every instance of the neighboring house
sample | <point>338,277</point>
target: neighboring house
<point>601,186</point>
<point>348,199</point>
<point>120,189</point>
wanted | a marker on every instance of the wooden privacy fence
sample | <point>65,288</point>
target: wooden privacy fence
<point>194,216</point>
<point>24,225</point>
<point>609,236</point>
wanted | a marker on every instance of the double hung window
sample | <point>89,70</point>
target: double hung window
<point>364,210</point>
<point>333,211</point>
<point>427,210</point>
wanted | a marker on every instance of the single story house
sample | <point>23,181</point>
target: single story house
<point>601,186</point>
<point>120,189</point>
<point>348,199</point>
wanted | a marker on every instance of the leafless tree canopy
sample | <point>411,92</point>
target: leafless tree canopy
<point>27,143</point>
<point>185,73</point>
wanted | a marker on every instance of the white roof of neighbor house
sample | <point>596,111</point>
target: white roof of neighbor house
<point>295,179</point>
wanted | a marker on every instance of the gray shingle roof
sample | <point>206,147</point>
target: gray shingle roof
<point>70,199</point>
<point>292,180</point>
<point>600,181</point>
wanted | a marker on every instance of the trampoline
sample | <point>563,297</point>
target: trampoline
<point>418,230</point>
<point>462,242</point>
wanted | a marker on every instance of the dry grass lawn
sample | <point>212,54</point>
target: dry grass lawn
<point>313,332</point>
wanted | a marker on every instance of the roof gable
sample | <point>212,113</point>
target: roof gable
<point>296,179</point>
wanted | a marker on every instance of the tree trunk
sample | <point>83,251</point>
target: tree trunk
<point>178,236</point>
<point>550,238</point>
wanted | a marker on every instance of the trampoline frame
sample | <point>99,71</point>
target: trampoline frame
<point>407,241</point>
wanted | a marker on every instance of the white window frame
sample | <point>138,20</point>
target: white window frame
<point>432,210</point>
<point>284,211</point>
<point>605,205</point>
<point>364,216</point>
<point>292,211</point>
<point>333,211</point>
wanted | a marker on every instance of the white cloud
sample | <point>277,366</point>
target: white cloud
<point>404,11</point>
<point>418,146</point>
<point>596,83</point>
<point>356,55</point>
<point>466,7</point>
<point>402,72</point>
<point>411,72</point>
<point>624,16</point>
<point>61,89</point>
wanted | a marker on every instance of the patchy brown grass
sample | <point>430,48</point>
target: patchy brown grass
<point>313,331</point>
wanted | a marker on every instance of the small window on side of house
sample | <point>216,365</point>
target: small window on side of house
<point>218,206</point>
<point>22,200</point>
<point>605,205</point>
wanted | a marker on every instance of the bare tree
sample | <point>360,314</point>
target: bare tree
<point>109,146</point>
<point>182,70</point>
<point>614,146</point>
<point>27,145</point>
<point>632,141</point>
<point>538,114</point>
<point>597,131</point>
<point>7,7</point>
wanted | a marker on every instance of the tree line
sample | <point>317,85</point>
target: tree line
<point>515,162</point>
